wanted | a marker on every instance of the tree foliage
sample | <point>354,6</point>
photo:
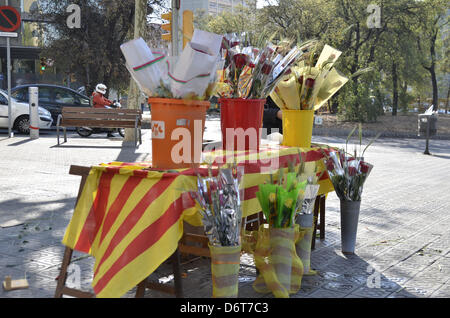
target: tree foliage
<point>403,49</point>
<point>91,52</point>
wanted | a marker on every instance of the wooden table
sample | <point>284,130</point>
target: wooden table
<point>130,217</point>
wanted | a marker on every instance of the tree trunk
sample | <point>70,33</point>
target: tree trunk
<point>435,88</point>
<point>394,89</point>
<point>448,97</point>
<point>140,20</point>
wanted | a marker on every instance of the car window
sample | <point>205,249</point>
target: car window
<point>45,94</point>
<point>82,100</point>
<point>3,100</point>
<point>21,94</point>
<point>64,97</point>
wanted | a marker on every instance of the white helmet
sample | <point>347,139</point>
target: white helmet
<point>101,88</point>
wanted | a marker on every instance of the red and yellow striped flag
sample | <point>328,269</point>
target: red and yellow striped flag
<point>130,216</point>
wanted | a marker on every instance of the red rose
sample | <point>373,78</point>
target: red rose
<point>267,68</point>
<point>330,165</point>
<point>364,168</point>
<point>352,171</point>
<point>309,82</point>
<point>240,60</point>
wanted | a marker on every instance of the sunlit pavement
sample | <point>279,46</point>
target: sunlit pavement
<point>403,244</point>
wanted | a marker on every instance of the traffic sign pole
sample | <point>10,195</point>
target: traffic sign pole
<point>8,66</point>
<point>10,23</point>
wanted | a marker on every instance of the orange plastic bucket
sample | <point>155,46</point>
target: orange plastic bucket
<point>245,118</point>
<point>177,132</point>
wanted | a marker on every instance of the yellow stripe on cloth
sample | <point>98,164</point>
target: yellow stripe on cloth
<point>143,265</point>
<point>82,209</point>
<point>130,205</point>
<point>152,213</point>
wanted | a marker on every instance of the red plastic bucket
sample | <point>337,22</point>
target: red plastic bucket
<point>242,120</point>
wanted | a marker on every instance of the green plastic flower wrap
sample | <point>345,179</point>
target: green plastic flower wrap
<point>280,201</point>
<point>281,270</point>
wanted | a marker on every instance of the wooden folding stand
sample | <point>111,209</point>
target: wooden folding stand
<point>193,243</point>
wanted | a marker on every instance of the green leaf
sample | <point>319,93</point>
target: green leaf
<point>371,142</point>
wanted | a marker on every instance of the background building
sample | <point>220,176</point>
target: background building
<point>25,50</point>
<point>212,6</point>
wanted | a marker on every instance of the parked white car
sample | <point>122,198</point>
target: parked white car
<point>20,113</point>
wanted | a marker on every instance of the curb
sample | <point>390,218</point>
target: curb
<point>333,132</point>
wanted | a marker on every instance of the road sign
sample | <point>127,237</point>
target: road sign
<point>9,19</point>
<point>9,34</point>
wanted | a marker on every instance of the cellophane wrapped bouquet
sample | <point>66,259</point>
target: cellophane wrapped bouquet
<point>252,72</point>
<point>348,173</point>
<point>192,75</point>
<point>219,198</point>
<point>280,201</point>
<point>311,83</point>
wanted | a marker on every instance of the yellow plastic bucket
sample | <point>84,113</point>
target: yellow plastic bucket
<point>297,128</point>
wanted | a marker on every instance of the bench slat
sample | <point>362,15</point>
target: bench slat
<point>98,123</point>
<point>99,116</point>
<point>99,110</point>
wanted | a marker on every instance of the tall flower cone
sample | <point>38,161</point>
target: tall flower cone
<point>303,249</point>
<point>281,270</point>
<point>225,261</point>
<point>303,245</point>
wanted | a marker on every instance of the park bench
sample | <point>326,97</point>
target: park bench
<point>100,118</point>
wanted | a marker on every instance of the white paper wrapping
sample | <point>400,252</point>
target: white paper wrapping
<point>143,65</point>
<point>196,65</point>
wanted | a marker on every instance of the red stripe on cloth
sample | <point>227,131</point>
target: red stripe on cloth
<point>143,241</point>
<point>96,214</point>
<point>134,216</point>
<point>140,173</point>
<point>250,193</point>
<point>118,204</point>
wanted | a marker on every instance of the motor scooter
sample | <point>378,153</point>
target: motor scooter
<point>87,131</point>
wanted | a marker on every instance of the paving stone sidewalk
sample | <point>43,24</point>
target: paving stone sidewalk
<point>403,247</point>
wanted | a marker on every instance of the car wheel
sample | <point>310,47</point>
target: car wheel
<point>121,131</point>
<point>22,124</point>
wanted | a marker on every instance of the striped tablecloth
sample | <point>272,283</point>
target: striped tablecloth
<point>130,216</point>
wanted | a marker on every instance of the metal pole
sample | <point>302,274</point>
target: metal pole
<point>428,137</point>
<point>8,66</point>
<point>175,27</point>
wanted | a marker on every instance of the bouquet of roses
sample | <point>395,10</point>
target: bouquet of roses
<point>348,173</point>
<point>219,198</point>
<point>311,83</point>
<point>280,201</point>
<point>251,72</point>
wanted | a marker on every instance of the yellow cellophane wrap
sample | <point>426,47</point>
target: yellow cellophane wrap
<point>225,262</point>
<point>281,270</point>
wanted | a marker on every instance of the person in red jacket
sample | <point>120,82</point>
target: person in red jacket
<point>98,97</point>
<point>100,101</point>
